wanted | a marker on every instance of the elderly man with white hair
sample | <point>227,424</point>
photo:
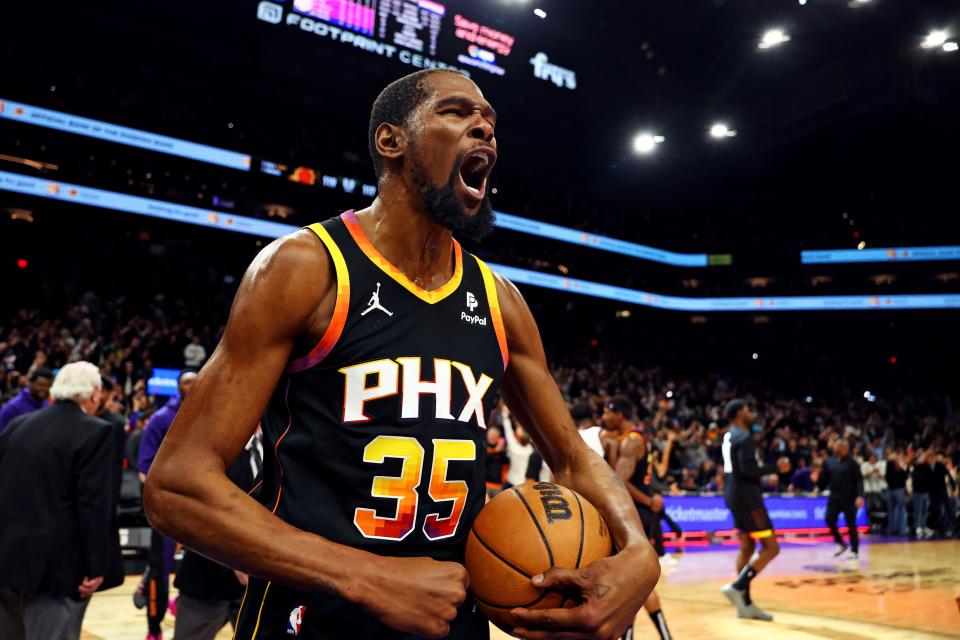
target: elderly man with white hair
<point>55,506</point>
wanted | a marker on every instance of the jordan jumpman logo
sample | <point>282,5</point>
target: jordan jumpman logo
<point>375,303</point>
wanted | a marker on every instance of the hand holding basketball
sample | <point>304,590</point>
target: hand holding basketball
<point>611,590</point>
<point>417,595</point>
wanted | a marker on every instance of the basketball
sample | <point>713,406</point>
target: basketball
<point>525,531</point>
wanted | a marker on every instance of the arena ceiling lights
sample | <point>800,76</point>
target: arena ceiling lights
<point>773,38</point>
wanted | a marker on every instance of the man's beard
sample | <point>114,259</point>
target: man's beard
<point>444,207</point>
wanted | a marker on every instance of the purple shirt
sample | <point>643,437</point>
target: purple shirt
<point>19,405</point>
<point>154,432</point>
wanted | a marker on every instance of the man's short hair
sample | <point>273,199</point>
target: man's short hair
<point>394,105</point>
<point>620,404</point>
<point>581,411</point>
<point>733,408</point>
<point>41,372</point>
<point>76,381</point>
<point>106,383</point>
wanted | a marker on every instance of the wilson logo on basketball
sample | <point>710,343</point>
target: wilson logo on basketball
<point>555,506</point>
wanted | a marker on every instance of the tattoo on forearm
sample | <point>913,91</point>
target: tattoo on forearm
<point>603,589</point>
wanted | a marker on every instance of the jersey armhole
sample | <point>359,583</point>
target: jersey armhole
<point>342,305</point>
<point>490,286</point>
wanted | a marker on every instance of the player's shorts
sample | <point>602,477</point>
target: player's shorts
<point>273,612</point>
<point>652,527</point>
<point>754,522</point>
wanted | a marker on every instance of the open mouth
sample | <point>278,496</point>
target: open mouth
<point>475,170</point>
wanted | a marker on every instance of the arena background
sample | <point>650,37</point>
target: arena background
<point>805,254</point>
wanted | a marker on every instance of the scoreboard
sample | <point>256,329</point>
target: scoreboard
<point>418,33</point>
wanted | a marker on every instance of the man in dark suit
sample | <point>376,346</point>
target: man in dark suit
<point>842,476</point>
<point>56,506</point>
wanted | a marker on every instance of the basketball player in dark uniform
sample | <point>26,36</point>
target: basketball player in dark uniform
<point>373,347</point>
<point>744,498</point>
<point>634,466</point>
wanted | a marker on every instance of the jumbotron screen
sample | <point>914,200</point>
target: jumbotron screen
<point>421,34</point>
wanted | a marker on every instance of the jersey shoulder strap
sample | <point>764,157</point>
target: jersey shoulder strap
<point>332,334</point>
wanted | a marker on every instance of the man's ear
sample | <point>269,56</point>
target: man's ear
<point>391,141</point>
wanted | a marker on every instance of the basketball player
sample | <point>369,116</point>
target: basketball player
<point>582,416</point>
<point>375,423</point>
<point>744,498</point>
<point>634,468</point>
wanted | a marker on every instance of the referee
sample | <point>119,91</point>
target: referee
<point>744,498</point>
<point>841,475</point>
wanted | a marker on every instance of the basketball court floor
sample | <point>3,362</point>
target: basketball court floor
<point>898,591</point>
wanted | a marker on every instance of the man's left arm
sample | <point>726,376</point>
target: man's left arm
<point>612,589</point>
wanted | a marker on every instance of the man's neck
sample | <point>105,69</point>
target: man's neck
<point>406,235</point>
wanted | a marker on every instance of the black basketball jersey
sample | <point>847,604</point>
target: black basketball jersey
<point>741,470</point>
<point>641,474</point>
<point>377,435</point>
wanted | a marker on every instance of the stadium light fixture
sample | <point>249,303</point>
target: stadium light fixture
<point>720,130</point>
<point>646,143</point>
<point>934,39</point>
<point>950,47</point>
<point>773,38</point>
<point>540,13</point>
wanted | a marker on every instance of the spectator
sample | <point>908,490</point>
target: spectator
<point>32,398</point>
<point>953,503</point>
<point>784,474</point>
<point>874,473</point>
<point>896,476</point>
<point>802,478</point>
<point>923,479</point>
<point>932,475</point>
<point>582,416</point>
<point>519,450</point>
<point>496,461</point>
<point>194,354</point>
<point>155,581</point>
<point>56,506</point>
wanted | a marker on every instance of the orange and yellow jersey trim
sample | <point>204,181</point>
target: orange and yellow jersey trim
<point>490,285</point>
<point>339,319</point>
<point>353,226</point>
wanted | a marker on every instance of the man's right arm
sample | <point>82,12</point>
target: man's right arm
<point>630,450</point>
<point>289,291</point>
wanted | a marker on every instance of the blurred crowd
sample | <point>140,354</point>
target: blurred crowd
<point>126,339</point>
<point>892,437</point>
<point>898,441</point>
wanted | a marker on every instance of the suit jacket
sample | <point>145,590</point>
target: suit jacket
<point>114,574</point>
<point>56,500</point>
